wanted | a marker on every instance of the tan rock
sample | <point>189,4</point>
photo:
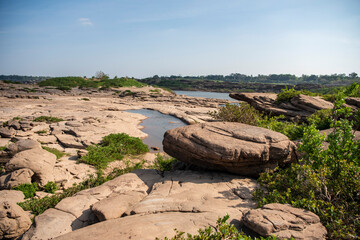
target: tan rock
<point>11,196</point>
<point>13,220</point>
<point>40,161</point>
<point>22,145</point>
<point>232,147</point>
<point>16,178</point>
<point>284,222</point>
<point>7,132</point>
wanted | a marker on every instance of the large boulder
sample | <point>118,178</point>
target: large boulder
<point>16,178</point>
<point>7,132</point>
<point>14,221</point>
<point>40,161</point>
<point>232,147</point>
<point>22,145</point>
<point>11,196</point>
<point>284,222</point>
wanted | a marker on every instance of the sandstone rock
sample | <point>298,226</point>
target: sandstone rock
<point>299,107</point>
<point>82,153</point>
<point>57,223</point>
<point>116,205</point>
<point>14,124</point>
<point>22,145</point>
<point>74,124</point>
<point>16,178</point>
<point>14,220</point>
<point>311,104</point>
<point>11,196</point>
<point>7,132</point>
<point>40,161</point>
<point>69,141</point>
<point>145,227</point>
<point>353,101</point>
<point>232,147</point>
<point>284,222</point>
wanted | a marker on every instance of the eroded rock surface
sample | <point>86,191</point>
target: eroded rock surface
<point>186,200</point>
<point>14,221</point>
<point>298,108</point>
<point>284,222</point>
<point>40,161</point>
<point>232,147</point>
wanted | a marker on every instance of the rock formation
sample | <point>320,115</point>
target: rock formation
<point>285,222</point>
<point>232,147</point>
<point>298,108</point>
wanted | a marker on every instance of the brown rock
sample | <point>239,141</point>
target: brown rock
<point>69,141</point>
<point>11,196</point>
<point>16,178</point>
<point>22,145</point>
<point>310,104</point>
<point>284,222</point>
<point>14,221</point>
<point>232,147</point>
<point>40,161</point>
<point>7,132</point>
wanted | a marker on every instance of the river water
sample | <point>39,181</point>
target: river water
<point>156,123</point>
<point>205,94</point>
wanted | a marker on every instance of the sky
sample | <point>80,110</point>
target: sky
<point>142,38</point>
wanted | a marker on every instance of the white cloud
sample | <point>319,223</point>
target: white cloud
<point>85,21</point>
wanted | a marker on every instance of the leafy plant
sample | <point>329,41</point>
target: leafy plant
<point>50,187</point>
<point>287,94</point>
<point>42,131</point>
<point>57,153</point>
<point>322,119</point>
<point>2,148</point>
<point>85,99</point>
<point>243,113</point>
<point>163,163</point>
<point>113,147</point>
<point>326,181</point>
<point>48,119</point>
<point>29,190</point>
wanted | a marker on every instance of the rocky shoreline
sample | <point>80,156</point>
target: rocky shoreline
<point>146,203</point>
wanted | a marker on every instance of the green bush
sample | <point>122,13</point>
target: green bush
<point>120,82</point>
<point>292,130</point>
<point>50,187</point>
<point>221,231</point>
<point>326,180</point>
<point>163,163</point>
<point>113,147</point>
<point>287,94</point>
<point>243,113</point>
<point>38,206</point>
<point>29,190</point>
<point>322,119</point>
<point>48,119</point>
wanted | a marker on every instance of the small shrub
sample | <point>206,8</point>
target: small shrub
<point>322,119</point>
<point>54,151</point>
<point>2,148</point>
<point>42,131</point>
<point>17,118</point>
<point>48,119</point>
<point>113,147</point>
<point>243,113</point>
<point>163,163</point>
<point>29,190</point>
<point>85,99</point>
<point>50,187</point>
<point>287,94</point>
<point>64,88</point>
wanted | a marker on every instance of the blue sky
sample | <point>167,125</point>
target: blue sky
<point>141,38</point>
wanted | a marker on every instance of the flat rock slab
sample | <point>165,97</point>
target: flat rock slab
<point>145,205</point>
<point>232,147</point>
<point>11,196</point>
<point>284,222</point>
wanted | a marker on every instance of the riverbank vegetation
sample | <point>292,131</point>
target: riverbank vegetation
<point>66,83</point>
<point>326,180</point>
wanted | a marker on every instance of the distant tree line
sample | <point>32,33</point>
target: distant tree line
<point>333,79</point>
<point>22,79</point>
